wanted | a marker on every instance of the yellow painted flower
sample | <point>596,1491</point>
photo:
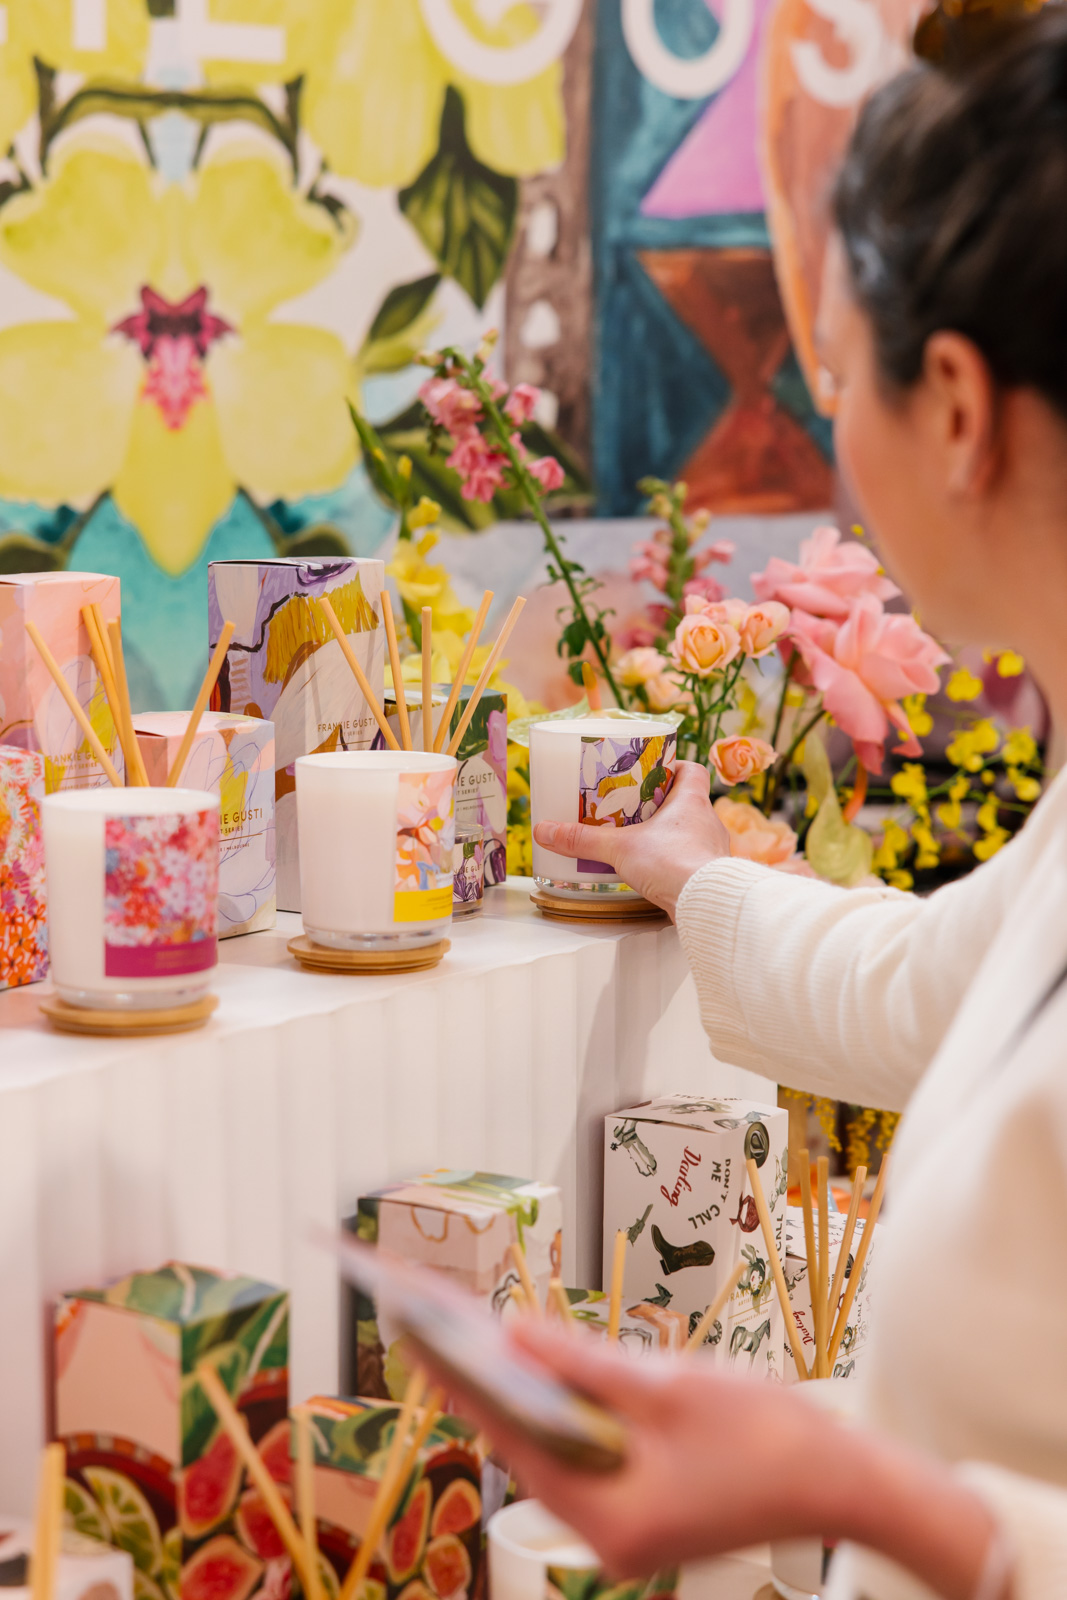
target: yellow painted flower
<point>971,744</point>
<point>170,383</point>
<point>963,685</point>
<point>421,584</point>
<point>52,32</point>
<point>374,84</point>
<point>1020,748</point>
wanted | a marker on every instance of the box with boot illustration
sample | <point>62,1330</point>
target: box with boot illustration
<point>149,1468</point>
<point>463,1224</point>
<point>849,1360</point>
<point>285,665</point>
<point>675,1181</point>
<point>643,1326</point>
<point>433,1546</point>
<point>232,757</point>
<point>33,713</point>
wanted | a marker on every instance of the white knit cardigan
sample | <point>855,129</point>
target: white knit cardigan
<point>927,1006</point>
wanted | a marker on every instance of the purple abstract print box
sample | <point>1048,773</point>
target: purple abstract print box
<point>285,665</point>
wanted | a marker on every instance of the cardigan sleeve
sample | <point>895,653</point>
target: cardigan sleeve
<point>843,992</point>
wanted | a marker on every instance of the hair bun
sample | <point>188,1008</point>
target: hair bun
<point>955,33</point>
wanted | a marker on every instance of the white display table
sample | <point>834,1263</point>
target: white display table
<point>221,1147</point>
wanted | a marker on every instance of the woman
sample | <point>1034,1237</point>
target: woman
<point>944,330</point>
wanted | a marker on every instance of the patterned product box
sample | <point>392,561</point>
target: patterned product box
<point>849,1361</point>
<point>675,1180</point>
<point>482,779</point>
<point>23,916</point>
<point>285,665</point>
<point>33,713</point>
<point>434,1543</point>
<point>232,757</point>
<point>87,1569</point>
<point>462,1223</point>
<point>149,1468</point>
<point>642,1326</point>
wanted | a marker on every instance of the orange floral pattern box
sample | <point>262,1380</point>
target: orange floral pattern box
<point>33,713</point>
<point>23,918</point>
<point>464,1225</point>
<point>149,1468</point>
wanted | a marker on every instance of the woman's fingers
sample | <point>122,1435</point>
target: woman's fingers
<point>630,1388</point>
<point>580,841</point>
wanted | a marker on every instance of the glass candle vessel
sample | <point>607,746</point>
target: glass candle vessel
<point>377,830</point>
<point>468,869</point>
<point>133,889</point>
<point>605,771</point>
<point>533,1554</point>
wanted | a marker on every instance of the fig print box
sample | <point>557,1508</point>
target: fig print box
<point>148,1466</point>
<point>464,1224</point>
<point>23,918</point>
<point>434,1543</point>
<point>33,713</point>
<point>232,757</point>
<point>285,665</point>
<point>675,1180</point>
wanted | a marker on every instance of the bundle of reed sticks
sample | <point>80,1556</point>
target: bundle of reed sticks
<point>430,741</point>
<point>105,644</point>
<point>48,1523</point>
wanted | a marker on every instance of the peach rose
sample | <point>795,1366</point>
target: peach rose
<point>762,626</point>
<point>638,665</point>
<point>703,646</point>
<point>739,758</point>
<point>664,692</point>
<point>754,836</point>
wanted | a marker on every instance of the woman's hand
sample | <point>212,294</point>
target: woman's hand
<point>659,857</point>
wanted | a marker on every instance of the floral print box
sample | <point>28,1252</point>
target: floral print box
<point>676,1182</point>
<point>23,920</point>
<point>148,1466</point>
<point>464,1224</point>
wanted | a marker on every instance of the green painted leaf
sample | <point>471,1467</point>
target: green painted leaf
<point>321,539</point>
<point>84,1514</point>
<point>199,1421</point>
<point>401,307</point>
<point>132,1521</point>
<point>463,212</point>
<point>159,1294</point>
<point>21,552</point>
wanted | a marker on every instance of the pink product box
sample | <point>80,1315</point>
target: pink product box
<point>33,713</point>
<point>23,918</point>
<point>232,757</point>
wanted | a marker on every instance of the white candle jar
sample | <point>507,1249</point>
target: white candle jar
<point>133,890</point>
<point>604,771</point>
<point>377,830</point>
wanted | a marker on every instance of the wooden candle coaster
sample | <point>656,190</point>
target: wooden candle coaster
<point>133,1024</point>
<point>321,958</point>
<point>606,908</point>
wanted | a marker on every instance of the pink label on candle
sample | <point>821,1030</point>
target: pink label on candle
<point>623,781</point>
<point>161,881</point>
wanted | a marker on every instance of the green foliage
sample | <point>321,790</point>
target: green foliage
<point>463,212</point>
<point>21,552</point>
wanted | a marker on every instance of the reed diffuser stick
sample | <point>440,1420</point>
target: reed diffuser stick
<point>394,666</point>
<point>822,1282</point>
<point>486,673</point>
<point>48,1522</point>
<point>74,706</point>
<point>715,1310</point>
<point>522,1267</point>
<point>618,1275</point>
<point>791,1330</point>
<point>427,678</point>
<point>204,693</point>
<point>305,1497</point>
<point>460,676</point>
<point>101,654</point>
<point>860,1262</point>
<point>137,773</point>
<point>384,1502</point>
<point>858,1180</point>
<point>558,1294</point>
<point>277,1509</point>
<point>357,672</point>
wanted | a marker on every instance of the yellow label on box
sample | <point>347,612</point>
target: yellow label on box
<point>422,905</point>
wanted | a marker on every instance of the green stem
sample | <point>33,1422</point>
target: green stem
<point>781,765</point>
<point>780,713</point>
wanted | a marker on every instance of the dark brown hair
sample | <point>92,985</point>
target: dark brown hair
<point>952,205</point>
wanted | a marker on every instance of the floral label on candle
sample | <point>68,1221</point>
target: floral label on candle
<point>425,838</point>
<point>23,924</point>
<point>623,781</point>
<point>161,886</point>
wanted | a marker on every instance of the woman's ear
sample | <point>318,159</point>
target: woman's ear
<point>961,406</point>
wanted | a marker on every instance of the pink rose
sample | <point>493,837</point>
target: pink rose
<point>547,471</point>
<point>864,668</point>
<point>637,666</point>
<point>664,692</point>
<point>522,402</point>
<point>739,758</point>
<point>703,646</point>
<point>830,577</point>
<point>455,408</point>
<point>754,836</point>
<point>762,626</point>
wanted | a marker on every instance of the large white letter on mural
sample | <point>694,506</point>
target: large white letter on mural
<point>858,25</point>
<point>205,40</point>
<point>688,79</point>
<point>516,64</point>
